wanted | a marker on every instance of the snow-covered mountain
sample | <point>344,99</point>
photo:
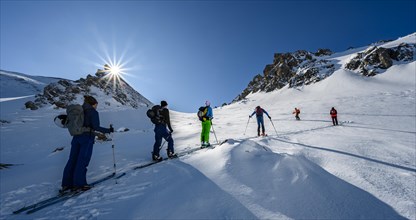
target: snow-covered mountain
<point>58,92</point>
<point>365,168</point>
<point>303,68</point>
<point>15,85</point>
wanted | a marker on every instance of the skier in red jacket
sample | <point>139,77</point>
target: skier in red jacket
<point>296,112</point>
<point>333,114</point>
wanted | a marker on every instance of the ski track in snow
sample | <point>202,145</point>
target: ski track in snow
<point>297,143</point>
<point>307,169</point>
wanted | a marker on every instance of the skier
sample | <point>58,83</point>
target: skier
<point>206,124</point>
<point>296,112</point>
<point>74,176</point>
<point>259,115</point>
<point>333,114</point>
<point>162,132</point>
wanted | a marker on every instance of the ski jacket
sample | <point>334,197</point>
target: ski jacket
<point>92,119</point>
<point>209,113</point>
<point>259,113</point>
<point>166,118</point>
<point>297,111</point>
<point>333,113</point>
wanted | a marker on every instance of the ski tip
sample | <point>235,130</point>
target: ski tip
<point>224,141</point>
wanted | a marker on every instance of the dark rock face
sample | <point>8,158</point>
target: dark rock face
<point>292,69</point>
<point>377,59</point>
<point>65,92</point>
<point>31,105</point>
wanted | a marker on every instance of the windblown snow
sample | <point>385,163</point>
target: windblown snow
<point>365,168</point>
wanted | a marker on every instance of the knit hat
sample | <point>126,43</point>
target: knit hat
<point>207,103</point>
<point>163,103</point>
<point>90,100</point>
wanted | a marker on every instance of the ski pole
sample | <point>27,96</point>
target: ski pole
<point>273,126</point>
<point>114,156</point>
<point>212,126</point>
<point>247,125</point>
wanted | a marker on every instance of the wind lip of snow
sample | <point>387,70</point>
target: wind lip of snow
<point>22,77</point>
<point>15,98</point>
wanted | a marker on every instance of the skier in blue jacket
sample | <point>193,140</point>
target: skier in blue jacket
<point>75,172</point>
<point>260,121</point>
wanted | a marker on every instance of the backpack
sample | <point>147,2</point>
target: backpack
<point>259,112</point>
<point>75,120</point>
<point>202,111</point>
<point>155,114</point>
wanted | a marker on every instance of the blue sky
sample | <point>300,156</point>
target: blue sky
<point>186,52</point>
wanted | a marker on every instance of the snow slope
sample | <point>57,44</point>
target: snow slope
<point>17,84</point>
<point>18,88</point>
<point>308,169</point>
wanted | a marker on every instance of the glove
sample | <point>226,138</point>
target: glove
<point>111,129</point>
<point>171,131</point>
<point>270,118</point>
<point>249,116</point>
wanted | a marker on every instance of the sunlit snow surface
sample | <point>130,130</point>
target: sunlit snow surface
<point>307,169</point>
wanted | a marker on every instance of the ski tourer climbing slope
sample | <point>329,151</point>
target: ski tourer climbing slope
<point>260,121</point>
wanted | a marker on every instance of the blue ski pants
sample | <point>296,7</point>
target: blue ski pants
<point>75,172</point>
<point>260,122</point>
<point>162,132</point>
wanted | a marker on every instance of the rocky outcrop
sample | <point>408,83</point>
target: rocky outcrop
<point>303,68</point>
<point>375,59</point>
<point>292,69</point>
<point>65,92</point>
<point>31,105</point>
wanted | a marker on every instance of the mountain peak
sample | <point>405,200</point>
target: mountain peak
<point>107,90</point>
<point>303,68</point>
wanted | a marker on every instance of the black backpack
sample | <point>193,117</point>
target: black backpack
<point>202,111</point>
<point>155,114</point>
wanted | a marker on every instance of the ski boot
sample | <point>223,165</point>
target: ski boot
<point>205,144</point>
<point>81,188</point>
<point>65,189</point>
<point>172,155</point>
<point>157,158</point>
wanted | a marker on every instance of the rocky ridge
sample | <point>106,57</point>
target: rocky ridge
<point>303,68</point>
<point>65,92</point>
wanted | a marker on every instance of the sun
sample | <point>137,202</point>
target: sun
<point>114,74</point>
<point>115,68</point>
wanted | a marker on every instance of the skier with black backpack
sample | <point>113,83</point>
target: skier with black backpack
<point>205,115</point>
<point>82,122</point>
<point>159,115</point>
<point>260,121</point>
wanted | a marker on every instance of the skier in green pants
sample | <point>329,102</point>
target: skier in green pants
<point>205,115</point>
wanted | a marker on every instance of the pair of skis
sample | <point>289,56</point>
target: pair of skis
<point>179,155</point>
<point>63,196</point>
<point>67,195</point>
